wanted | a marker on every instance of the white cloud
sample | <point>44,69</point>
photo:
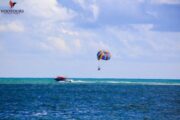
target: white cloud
<point>68,31</point>
<point>58,44</point>
<point>89,7</point>
<point>82,3</point>
<point>143,42</point>
<point>95,10</point>
<point>165,1</point>
<point>49,9</point>
<point>14,26</point>
<point>142,27</point>
<point>98,45</point>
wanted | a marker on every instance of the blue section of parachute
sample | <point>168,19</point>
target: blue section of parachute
<point>103,55</point>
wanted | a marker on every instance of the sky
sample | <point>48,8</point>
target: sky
<point>62,37</point>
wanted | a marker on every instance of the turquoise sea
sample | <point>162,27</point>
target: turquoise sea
<point>89,99</point>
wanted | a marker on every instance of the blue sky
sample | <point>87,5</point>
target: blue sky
<point>62,37</point>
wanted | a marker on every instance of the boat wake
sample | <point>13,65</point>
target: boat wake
<point>120,82</point>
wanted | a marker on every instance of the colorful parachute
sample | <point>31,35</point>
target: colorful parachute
<point>103,55</point>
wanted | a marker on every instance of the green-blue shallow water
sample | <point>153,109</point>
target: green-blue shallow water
<point>91,80</point>
<point>89,99</point>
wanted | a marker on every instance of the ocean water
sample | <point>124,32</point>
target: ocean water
<point>89,99</point>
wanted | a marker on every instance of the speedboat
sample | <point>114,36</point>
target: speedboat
<point>62,79</point>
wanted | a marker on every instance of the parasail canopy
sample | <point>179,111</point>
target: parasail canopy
<point>103,55</point>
